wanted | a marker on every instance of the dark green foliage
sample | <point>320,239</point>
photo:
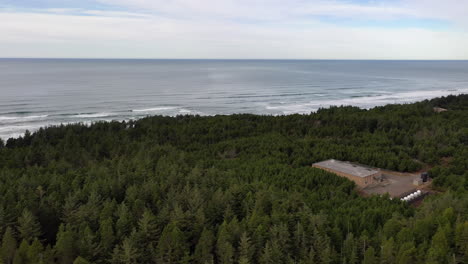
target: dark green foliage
<point>8,249</point>
<point>235,189</point>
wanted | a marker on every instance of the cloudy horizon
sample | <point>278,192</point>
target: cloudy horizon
<point>235,29</point>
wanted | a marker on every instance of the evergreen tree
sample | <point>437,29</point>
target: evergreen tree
<point>127,253</point>
<point>369,256</point>
<point>204,248</point>
<point>35,252</point>
<point>439,251</point>
<point>406,253</point>
<point>148,227</point>
<point>387,254</point>
<point>224,248</point>
<point>28,227</point>
<point>80,260</point>
<point>171,247</point>
<point>106,232</point>
<point>21,255</point>
<point>123,224</point>
<point>88,244</point>
<point>268,256</point>
<point>65,247</point>
<point>8,249</point>
<point>310,258</point>
<point>246,251</point>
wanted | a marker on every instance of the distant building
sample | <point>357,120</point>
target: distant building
<point>362,175</point>
<point>439,109</point>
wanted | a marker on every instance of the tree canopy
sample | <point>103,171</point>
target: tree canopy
<point>236,189</point>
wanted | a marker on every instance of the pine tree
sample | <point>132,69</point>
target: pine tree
<point>369,256</point>
<point>35,252</point>
<point>89,247</point>
<point>123,224</point>
<point>28,227</point>
<point>387,254</point>
<point>406,253</point>
<point>326,255</point>
<point>21,255</point>
<point>106,233</point>
<point>171,247</point>
<point>310,258</point>
<point>148,227</point>
<point>204,249</point>
<point>80,260</point>
<point>65,245</point>
<point>224,249</point>
<point>268,256</point>
<point>461,238</point>
<point>8,249</point>
<point>126,253</point>
<point>350,249</point>
<point>300,242</point>
<point>439,251</point>
<point>246,251</point>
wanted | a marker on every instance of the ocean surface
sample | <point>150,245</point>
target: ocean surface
<point>41,92</point>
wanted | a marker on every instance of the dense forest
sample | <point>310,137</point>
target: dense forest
<point>236,189</point>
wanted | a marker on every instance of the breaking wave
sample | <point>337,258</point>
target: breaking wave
<point>364,101</point>
<point>155,109</point>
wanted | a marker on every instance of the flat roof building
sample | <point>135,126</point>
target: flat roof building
<point>362,175</point>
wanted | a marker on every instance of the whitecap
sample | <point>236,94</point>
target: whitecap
<point>93,115</point>
<point>185,111</point>
<point>155,109</point>
<point>3,118</point>
<point>36,116</point>
<point>19,118</point>
<point>365,102</point>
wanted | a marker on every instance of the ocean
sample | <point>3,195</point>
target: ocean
<point>40,92</point>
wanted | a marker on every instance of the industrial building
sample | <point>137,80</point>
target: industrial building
<point>363,176</point>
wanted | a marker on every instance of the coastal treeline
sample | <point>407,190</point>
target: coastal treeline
<point>236,189</point>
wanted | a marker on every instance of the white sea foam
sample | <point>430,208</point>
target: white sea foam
<point>155,109</point>
<point>19,118</point>
<point>36,116</point>
<point>3,118</point>
<point>94,115</point>
<point>365,101</point>
<point>185,111</point>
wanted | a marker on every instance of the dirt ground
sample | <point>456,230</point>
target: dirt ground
<point>396,184</point>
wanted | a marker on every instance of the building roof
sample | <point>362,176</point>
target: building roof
<point>347,167</point>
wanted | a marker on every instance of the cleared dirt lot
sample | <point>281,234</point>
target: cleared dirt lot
<point>395,184</point>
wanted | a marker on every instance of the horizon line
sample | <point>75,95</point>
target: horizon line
<point>219,59</point>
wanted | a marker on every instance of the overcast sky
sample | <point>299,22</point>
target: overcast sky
<point>235,29</point>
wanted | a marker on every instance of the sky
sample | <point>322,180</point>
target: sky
<point>235,29</point>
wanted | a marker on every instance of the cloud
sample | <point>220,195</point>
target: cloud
<point>236,29</point>
<point>113,35</point>
<point>451,10</point>
<point>265,10</point>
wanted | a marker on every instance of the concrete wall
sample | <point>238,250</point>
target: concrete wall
<point>360,181</point>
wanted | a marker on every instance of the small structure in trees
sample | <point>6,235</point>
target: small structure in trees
<point>439,109</point>
<point>362,175</point>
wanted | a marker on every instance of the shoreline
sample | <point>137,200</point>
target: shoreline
<point>89,123</point>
